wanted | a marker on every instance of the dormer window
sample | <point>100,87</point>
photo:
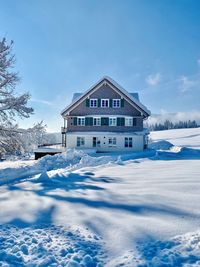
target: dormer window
<point>105,103</point>
<point>116,103</point>
<point>93,103</point>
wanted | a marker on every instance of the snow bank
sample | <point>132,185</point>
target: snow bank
<point>21,171</point>
<point>69,161</point>
<point>161,145</point>
<point>76,159</point>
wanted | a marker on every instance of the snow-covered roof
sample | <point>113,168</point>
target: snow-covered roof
<point>135,95</point>
<point>76,96</point>
<point>48,150</point>
<point>132,96</point>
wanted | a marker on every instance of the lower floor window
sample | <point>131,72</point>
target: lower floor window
<point>112,141</point>
<point>80,141</point>
<point>128,142</point>
<point>97,121</point>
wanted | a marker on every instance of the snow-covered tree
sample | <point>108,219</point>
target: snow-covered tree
<point>11,104</point>
<point>33,137</point>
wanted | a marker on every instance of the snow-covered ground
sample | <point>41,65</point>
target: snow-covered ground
<point>74,209</point>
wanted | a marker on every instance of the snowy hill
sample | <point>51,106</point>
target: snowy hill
<point>74,209</point>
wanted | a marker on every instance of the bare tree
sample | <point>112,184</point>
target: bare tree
<point>11,104</point>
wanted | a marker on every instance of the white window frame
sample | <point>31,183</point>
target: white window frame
<point>103,101</point>
<point>93,102</point>
<point>80,121</point>
<point>112,141</point>
<point>128,121</point>
<point>98,121</point>
<point>81,141</point>
<point>112,121</point>
<point>116,103</point>
<point>130,142</point>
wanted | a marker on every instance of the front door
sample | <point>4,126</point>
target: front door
<point>96,142</point>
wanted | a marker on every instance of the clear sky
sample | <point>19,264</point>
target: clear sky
<point>148,46</point>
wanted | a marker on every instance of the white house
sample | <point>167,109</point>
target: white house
<point>106,118</point>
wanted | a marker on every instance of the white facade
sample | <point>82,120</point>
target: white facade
<point>105,142</point>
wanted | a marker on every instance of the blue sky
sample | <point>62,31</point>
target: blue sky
<point>148,46</point>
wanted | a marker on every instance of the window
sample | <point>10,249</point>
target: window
<point>128,121</point>
<point>93,103</point>
<point>81,121</point>
<point>116,103</point>
<point>112,141</point>
<point>80,141</point>
<point>112,121</point>
<point>105,103</point>
<point>97,121</point>
<point>128,142</point>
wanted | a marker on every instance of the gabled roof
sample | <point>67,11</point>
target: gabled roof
<point>78,97</point>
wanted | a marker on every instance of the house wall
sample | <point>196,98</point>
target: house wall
<point>138,142</point>
<point>75,128</point>
<point>105,91</point>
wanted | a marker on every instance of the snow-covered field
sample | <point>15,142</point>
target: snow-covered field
<point>139,209</point>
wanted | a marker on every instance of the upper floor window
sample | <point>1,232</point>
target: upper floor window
<point>93,103</point>
<point>112,121</point>
<point>116,103</point>
<point>128,121</point>
<point>97,121</point>
<point>112,141</point>
<point>81,121</point>
<point>105,103</point>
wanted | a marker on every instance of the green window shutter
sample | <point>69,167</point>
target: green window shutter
<point>110,103</point>
<point>118,121</point>
<point>75,120</point>
<point>87,102</point>
<point>134,121</point>
<point>91,121</point>
<point>122,102</point>
<point>87,121</point>
<point>104,121</point>
<point>99,103</point>
<point>122,121</point>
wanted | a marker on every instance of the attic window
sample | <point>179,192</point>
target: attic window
<point>116,103</point>
<point>93,103</point>
<point>104,103</point>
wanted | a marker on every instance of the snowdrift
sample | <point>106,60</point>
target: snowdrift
<point>76,159</point>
